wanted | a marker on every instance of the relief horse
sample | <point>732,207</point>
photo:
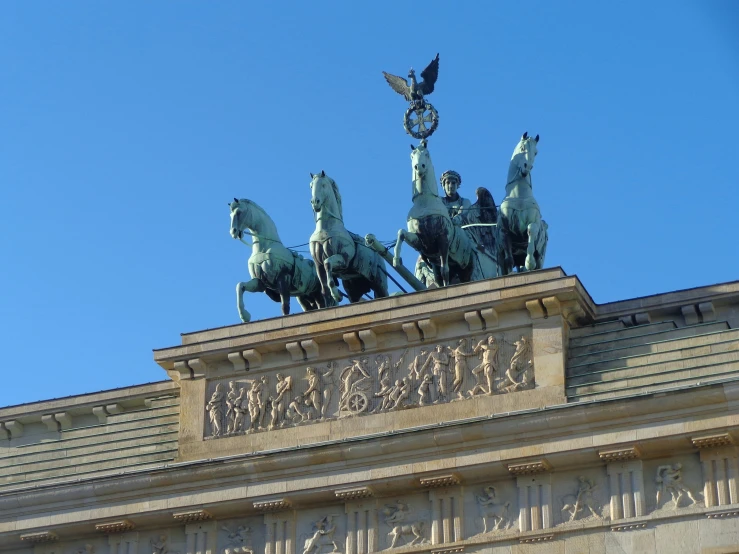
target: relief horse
<point>338,253</point>
<point>275,270</point>
<point>524,229</point>
<point>450,250</point>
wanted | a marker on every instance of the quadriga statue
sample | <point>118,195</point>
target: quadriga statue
<point>452,252</point>
<point>339,253</point>
<point>275,270</point>
<point>524,230</point>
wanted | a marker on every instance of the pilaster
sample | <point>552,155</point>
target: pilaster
<point>534,501</point>
<point>447,507</point>
<point>201,537</point>
<point>280,533</point>
<point>362,527</point>
<point>125,543</point>
<point>720,470</point>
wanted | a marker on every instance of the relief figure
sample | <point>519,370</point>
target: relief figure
<point>214,407</point>
<point>490,509</point>
<point>669,479</point>
<point>488,350</point>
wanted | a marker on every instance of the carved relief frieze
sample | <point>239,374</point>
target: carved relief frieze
<point>581,503</point>
<point>418,376</point>
<point>493,510</point>
<point>237,539</point>
<point>669,481</point>
<point>323,537</point>
<point>407,526</point>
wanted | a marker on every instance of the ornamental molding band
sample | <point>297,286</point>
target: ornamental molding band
<point>40,537</point>
<point>192,515</point>
<point>529,468</point>
<point>629,526</point>
<point>713,441</point>
<point>448,480</point>
<point>354,493</point>
<point>620,454</point>
<point>120,526</point>
<point>272,505</point>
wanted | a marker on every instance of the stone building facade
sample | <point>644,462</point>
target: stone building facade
<point>512,415</point>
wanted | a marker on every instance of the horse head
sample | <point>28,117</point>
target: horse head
<point>325,196</point>
<point>424,177</point>
<point>524,154</point>
<point>239,213</point>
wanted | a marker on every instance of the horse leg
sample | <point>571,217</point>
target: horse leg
<point>283,288</point>
<point>255,285</point>
<point>397,261</point>
<point>484,524</point>
<point>325,278</point>
<point>331,264</point>
<point>533,230</point>
<point>394,534</point>
<point>307,303</point>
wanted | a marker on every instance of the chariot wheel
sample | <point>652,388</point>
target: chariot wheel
<point>421,120</point>
<point>357,402</point>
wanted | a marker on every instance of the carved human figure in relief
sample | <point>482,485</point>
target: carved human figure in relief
<point>159,545</point>
<point>231,399</point>
<point>239,411</point>
<point>353,377</point>
<point>670,479</point>
<point>490,509</point>
<point>238,540</point>
<point>415,368</point>
<point>439,361</point>
<point>457,206</point>
<point>396,517</point>
<point>297,411</point>
<point>460,355</point>
<point>312,396</point>
<point>214,407</point>
<point>488,348</point>
<point>280,402</point>
<point>517,373</point>
<point>257,403</point>
<point>426,392</point>
<point>323,535</point>
<point>401,394</point>
<point>386,392</point>
<point>582,499</point>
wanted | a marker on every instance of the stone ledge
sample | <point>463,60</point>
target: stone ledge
<point>40,537</point>
<point>712,441</point>
<point>628,526</point>
<point>272,505</point>
<point>722,514</point>
<point>436,481</point>
<point>620,454</point>
<point>536,538</point>
<point>192,515</point>
<point>120,526</point>
<point>527,468</point>
<point>354,493</point>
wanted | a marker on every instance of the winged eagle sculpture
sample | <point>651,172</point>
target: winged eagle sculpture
<point>415,91</point>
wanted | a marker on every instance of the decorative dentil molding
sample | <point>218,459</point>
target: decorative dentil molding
<point>354,493</point>
<point>528,468</point>
<point>448,550</point>
<point>110,527</point>
<point>40,537</point>
<point>192,515</point>
<point>713,441</point>
<point>620,454</point>
<point>537,538</point>
<point>629,526</point>
<point>722,514</point>
<point>436,481</point>
<point>272,505</point>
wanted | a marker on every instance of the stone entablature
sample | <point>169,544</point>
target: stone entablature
<point>470,475</point>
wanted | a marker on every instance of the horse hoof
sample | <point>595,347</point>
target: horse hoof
<point>245,317</point>
<point>397,262</point>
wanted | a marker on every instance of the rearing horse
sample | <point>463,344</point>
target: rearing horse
<point>275,270</point>
<point>340,253</point>
<point>524,229</point>
<point>430,229</point>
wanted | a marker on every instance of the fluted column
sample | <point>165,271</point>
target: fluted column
<point>534,484</point>
<point>447,505</point>
<point>201,537</point>
<point>280,533</point>
<point>720,462</point>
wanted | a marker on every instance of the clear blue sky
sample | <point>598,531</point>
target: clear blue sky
<point>126,127</point>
